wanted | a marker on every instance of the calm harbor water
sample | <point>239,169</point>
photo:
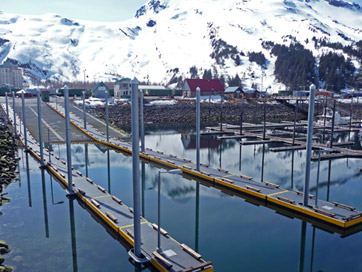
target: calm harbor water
<point>48,232</point>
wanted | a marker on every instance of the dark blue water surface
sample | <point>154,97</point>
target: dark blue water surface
<point>48,232</point>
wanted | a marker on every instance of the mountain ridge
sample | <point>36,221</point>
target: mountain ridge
<point>168,38</point>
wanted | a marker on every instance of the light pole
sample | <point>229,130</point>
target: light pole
<point>174,171</point>
<point>319,162</point>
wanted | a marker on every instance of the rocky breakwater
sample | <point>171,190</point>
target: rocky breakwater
<point>183,114</point>
<point>8,174</point>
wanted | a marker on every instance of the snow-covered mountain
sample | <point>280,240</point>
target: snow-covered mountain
<point>167,37</point>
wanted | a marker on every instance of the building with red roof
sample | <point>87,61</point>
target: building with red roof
<point>207,87</point>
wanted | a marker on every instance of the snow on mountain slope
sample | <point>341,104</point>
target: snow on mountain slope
<point>166,38</point>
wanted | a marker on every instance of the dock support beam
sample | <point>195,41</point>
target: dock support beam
<point>142,123</point>
<point>7,107</point>
<point>84,112</point>
<point>309,144</point>
<point>107,116</point>
<point>136,170</point>
<point>24,122</point>
<point>15,132</point>
<point>67,134</point>
<point>40,131</point>
<point>198,129</point>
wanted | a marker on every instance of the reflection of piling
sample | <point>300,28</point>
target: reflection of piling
<point>28,178</point>
<point>302,247</point>
<point>45,204</point>
<point>262,164</point>
<point>73,235</point>
<point>197,206</point>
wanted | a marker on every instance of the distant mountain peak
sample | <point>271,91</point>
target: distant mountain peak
<point>153,5</point>
<point>344,4</point>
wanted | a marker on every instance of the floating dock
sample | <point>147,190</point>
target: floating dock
<point>118,216</point>
<point>331,216</point>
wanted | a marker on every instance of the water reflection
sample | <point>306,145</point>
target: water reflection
<point>73,235</point>
<point>45,205</point>
<point>28,177</point>
<point>302,246</point>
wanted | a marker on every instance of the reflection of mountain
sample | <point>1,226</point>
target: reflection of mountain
<point>189,141</point>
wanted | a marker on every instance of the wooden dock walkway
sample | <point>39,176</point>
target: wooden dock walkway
<point>331,216</point>
<point>233,132</point>
<point>118,216</point>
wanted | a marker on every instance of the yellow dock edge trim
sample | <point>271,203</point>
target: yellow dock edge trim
<point>353,222</point>
<point>308,212</point>
<point>170,165</point>
<point>240,189</point>
<point>203,176</point>
<point>157,265</point>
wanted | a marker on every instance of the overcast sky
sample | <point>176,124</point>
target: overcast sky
<point>93,10</point>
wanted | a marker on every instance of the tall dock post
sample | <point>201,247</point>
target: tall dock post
<point>221,100</point>
<point>241,115</point>
<point>142,123</point>
<point>198,129</point>
<point>7,106</point>
<point>107,116</point>
<point>67,134</point>
<point>136,254</point>
<point>333,121</point>
<point>309,144</point>
<point>15,132</point>
<point>84,112</point>
<point>295,120</point>
<point>40,132</point>
<point>24,122</point>
<point>350,120</point>
<point>264,117</point>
